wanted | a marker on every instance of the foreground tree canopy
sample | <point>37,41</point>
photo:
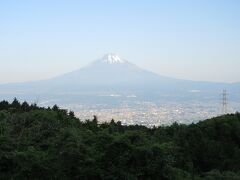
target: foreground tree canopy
<point>51,143</point>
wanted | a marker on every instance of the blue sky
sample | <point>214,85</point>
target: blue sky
<point>198,40</point>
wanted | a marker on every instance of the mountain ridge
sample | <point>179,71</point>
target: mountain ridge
<point>111,72</point>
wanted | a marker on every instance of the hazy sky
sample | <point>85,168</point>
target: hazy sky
<point>190,39</point>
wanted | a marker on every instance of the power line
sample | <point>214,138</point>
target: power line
<point>224,102</point>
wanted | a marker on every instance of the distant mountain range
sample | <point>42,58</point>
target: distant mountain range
<point>112,74</point>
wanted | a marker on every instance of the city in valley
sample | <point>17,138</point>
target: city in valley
<point>150,113</point>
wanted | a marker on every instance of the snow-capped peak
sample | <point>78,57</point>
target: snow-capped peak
<point>112,59</point>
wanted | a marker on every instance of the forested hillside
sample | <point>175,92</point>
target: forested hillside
<point>50,143</point>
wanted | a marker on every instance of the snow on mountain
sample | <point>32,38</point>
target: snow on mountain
<point>112,58</point>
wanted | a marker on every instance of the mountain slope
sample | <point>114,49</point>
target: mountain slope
<point>111,70</point>
<point>113,73</point>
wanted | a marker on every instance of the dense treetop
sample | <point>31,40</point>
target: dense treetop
<point>51,143</point>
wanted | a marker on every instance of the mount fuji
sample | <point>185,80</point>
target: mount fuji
<point>112,74</point>
<point>110,71</point>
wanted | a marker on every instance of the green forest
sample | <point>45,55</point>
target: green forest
<point>51,143</point>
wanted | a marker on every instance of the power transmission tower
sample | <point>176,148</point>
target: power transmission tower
<point>224,102</point>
